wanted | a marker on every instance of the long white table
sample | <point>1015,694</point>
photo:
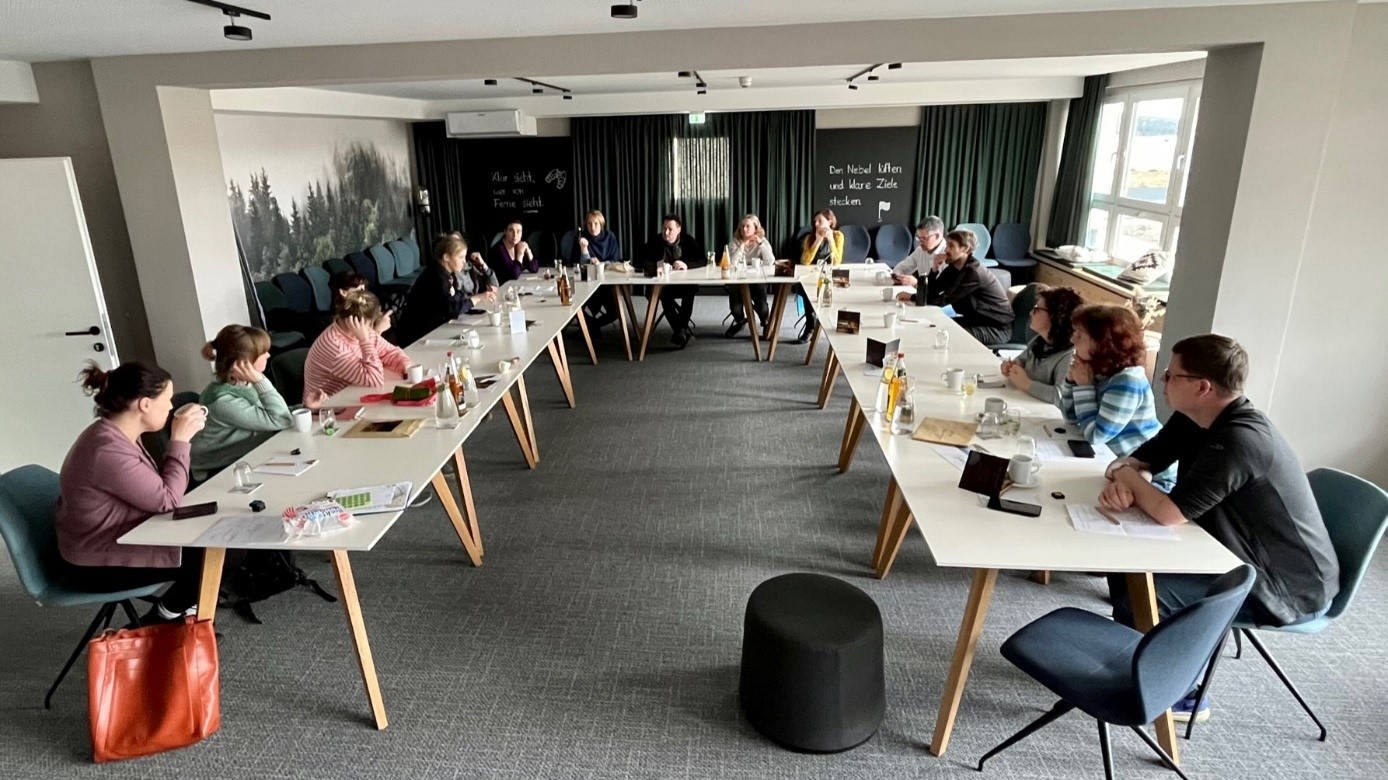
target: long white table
<point>357,462</point>
<point>958,530</point>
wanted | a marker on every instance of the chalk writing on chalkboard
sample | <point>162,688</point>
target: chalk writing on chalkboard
<point>851,182</point>
<point>558,177</point>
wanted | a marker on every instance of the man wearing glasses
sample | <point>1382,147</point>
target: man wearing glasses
<point>930,244</point>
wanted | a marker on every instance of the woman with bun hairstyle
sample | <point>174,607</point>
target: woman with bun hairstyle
<point>243,408</point>
<point>351,351</point>
<point>109,484</point>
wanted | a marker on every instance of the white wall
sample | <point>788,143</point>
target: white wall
<point>885,116</point>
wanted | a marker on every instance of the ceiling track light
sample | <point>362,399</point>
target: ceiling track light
<point>699,84</point>
<point>684,74</point>
<point>702,92</point>
<point>233,31</point>
<point>851,85</point>
<point>489,82</point>
<point>872,77</point>
<point>539,87</point>
<point>624,11</point>
<point>894,66</point>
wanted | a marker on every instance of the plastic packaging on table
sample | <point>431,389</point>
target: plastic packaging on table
<point>316,519</point>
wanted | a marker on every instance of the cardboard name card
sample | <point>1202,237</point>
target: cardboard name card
<point>940,431</point>
<point>849,322</point>
<point>517,323</point>
<point>840,276</point>
<point>877,351</point>
<point>784,268</point>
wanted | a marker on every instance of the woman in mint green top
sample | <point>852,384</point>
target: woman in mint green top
<point>243,408</point>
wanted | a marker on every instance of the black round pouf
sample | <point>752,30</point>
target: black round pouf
<point>812,676</point>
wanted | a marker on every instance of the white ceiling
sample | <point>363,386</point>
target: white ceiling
<point>39,30</point>
<point>774,78</point>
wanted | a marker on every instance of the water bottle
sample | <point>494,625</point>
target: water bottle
<point>884,387</point>
<point>445,409</point>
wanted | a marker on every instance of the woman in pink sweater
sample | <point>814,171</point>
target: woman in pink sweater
<point>110,484</point>
<point>350,353</point>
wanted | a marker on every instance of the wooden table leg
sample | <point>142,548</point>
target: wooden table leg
<point>1041,577</point>
<point>212,559</point>
<point>460,524</point>
<point>889,507</point>
<point>518,427</point>
<point>587,337</point>
<point>529,423</point>
<point>561,369</point>
<point>980,594</point>
<point>852,430</point>
<point>1143,594</point>
<point>619,300</point>
<point>651,309</point>
<point>896,524</point>
<point>814,341</point>
<point>751,315</point>
<point>826,383</point>
<point>469,508</point>
<point>347,587</point>
<point>778,312</point>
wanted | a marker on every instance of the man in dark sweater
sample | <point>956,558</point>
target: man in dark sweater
<point>682,251</point>
<point>959,280</point>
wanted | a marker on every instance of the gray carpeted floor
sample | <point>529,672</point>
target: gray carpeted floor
<point>601,638</point>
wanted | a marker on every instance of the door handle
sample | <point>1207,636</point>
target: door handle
<point>92,331</point>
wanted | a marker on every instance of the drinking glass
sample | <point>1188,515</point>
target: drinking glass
<point>942,339</point>
<point>1014,422</point>
<point>970,385</point>
<point>242,473</point>
<point>1026,445</point>
<point>328,420</point>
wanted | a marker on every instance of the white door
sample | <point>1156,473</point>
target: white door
<point>53,315</point>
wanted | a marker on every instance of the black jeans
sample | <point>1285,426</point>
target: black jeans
<point>181,595</point>
<point>989,335</point>
<point>758,293</point>
<point>810,319</point>
<point>678,300</point>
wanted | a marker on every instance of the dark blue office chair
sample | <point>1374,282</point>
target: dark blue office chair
<point>1355,513</point>
<point>407,265</point>
<point>985,240</point>
<point>568,247</point>
<point>892,243</point>
<point>298,293</point>
<point>1117,674</point>
<point>337,265</point>
<point>280,320</point>
<point>542,244</point>
<point>1022,334</point>
<point>28,502</point>
<point>1012,245</point>
<point>319,280</point>
<point>856,243</point>
<point>366,267</point>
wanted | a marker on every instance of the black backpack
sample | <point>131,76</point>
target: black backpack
<point>255,575</point>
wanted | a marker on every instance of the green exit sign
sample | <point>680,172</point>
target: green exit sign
<point>696,119</point>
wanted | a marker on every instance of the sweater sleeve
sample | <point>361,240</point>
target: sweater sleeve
<point>1103,414</point>
<point>836,253</point>
<point>1046,387</point>
<point>363,369</point>
<point>807,250</point>
<point>271,413</point>
<point>132,480</point>
<point>392,357</point>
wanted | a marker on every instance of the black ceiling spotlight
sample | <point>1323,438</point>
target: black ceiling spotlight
<point>703,92</point>
<point>894,66</point>
<point>624,11</point>
<point>851,85</point>
<point>568,96</point>
<point>537,91</point>
<point>872,77</point>
<point>489,82</point>
<point>539,87</point>
<point>684,74</point>
<point>233,31</point>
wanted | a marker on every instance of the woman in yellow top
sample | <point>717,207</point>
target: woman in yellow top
<point>823,244</point>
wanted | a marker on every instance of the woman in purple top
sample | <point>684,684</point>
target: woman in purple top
<point>512,256</point>
<point>110,484</point>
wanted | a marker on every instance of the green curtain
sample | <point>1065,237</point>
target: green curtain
<point>438,169</point>
<point>637,168</point>
<point>1070,206</point>
<point>979,163</point>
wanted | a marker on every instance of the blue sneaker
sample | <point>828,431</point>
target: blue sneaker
<point>1185,710</point>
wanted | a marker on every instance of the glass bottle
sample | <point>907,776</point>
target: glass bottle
<point>471,395</point>
<point>565,297</point>
<point>884,387</point>
<point>327,420</point>
<point>898,383</point>
<point>450,378</point>
<point>445,408</point>
<point>724,265</point>
<point>904,419</point>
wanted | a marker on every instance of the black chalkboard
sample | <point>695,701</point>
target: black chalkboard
<point>529,179</point>
<point>866,175</point>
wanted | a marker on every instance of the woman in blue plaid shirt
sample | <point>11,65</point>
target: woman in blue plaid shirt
<point>1107,392</point>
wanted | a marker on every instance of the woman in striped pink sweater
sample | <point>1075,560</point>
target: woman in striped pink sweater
<point>350,353</point>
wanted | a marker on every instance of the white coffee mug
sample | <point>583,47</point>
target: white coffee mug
<point>889,295</point>
<point>889,320</point>
<point>1022,470</point>
<point>884,277</point>
<point>415,373</point>
<point>494,319</point>
<point>954,379</point>
<point>303,420</point>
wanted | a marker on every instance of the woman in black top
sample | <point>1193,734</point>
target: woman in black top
<point>443,292</point>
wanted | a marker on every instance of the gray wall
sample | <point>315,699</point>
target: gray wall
<point>66,122</point>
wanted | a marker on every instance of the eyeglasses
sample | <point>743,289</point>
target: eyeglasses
<point>1039,308</point>
<point>1166,376</point>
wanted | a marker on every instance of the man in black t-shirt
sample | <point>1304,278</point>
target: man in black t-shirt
<point>1238,479</point>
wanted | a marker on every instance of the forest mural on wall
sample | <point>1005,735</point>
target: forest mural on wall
<point>364,201</point>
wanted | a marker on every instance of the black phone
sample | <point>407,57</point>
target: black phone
<point>1080,448</point>
<point>1019,507</point>
<point>194,510</point>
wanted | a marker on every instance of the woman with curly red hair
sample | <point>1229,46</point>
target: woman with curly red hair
<point>1106,391</point>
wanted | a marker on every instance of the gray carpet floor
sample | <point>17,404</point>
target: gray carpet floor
<point>601,638</point>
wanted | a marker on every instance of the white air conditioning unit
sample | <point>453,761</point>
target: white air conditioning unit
<point>489,124</point>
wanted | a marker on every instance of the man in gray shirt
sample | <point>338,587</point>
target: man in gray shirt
<point>930,243</point>
<point>1237,478</point>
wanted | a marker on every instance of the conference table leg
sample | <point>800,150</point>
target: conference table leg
<point>814,341</point>
<point>651,307</point>
<point>211,585</point>
<point>518,427</point>
<point>587,337</point>
<point>852,430</point>
<point>778,312</point>
<point>896,523</point>
<point>751,315</point>
<point>558,356</point>
<point>826,382</point>
<point>460,524</point>
<point>465,490</point>
<point>980,594</point>
<point>1143,594</point>
<point>347,586</point>
<point>619,299</point>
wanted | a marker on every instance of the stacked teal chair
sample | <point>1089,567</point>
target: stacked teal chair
<point>28,504</point>
<point>1022,334</point>
<point>407,266</point>
<point>985,241</point>
<point>279,317</point>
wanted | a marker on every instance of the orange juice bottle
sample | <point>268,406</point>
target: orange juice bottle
<point>898,384</point>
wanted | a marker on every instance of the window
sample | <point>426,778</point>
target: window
<point>1139,175</point>
<point>699,167</point>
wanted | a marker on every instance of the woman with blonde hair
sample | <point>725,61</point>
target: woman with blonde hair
<point>350,352</point>
<point>444,291</point>
<point>749,243</point>
<point>243,409</point>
